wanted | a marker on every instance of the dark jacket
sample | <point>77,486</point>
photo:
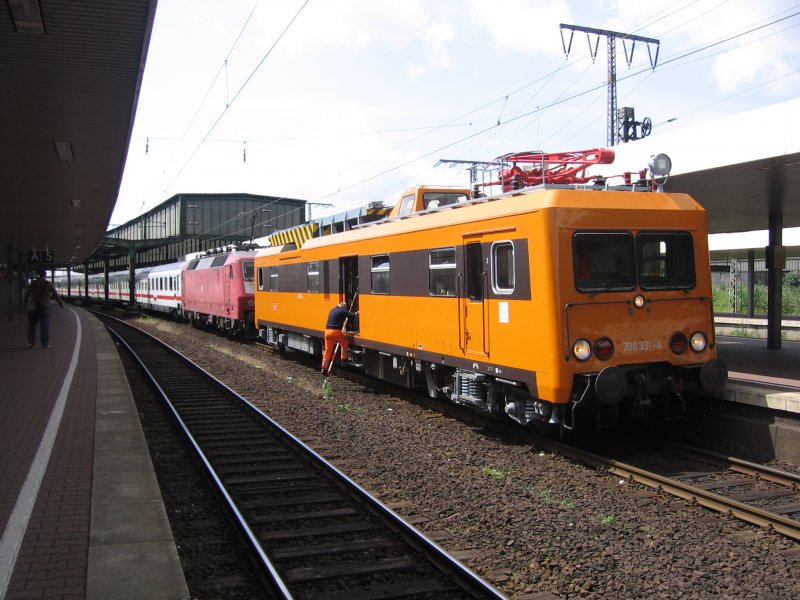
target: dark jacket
<point>337,316</point>
<point>40,291</point>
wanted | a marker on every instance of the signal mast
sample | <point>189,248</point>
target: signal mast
<point>621,123</point>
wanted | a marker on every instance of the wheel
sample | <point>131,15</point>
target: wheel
<point>647,127</point>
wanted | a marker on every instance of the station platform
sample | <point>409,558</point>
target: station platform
<point>81,513</point>
<point>80,509</point>
<point>761,376</point>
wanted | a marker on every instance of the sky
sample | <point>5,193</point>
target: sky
<point>345,102</point>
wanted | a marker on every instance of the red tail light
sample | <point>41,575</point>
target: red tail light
<point>678,342</point>
<point>604,348</point>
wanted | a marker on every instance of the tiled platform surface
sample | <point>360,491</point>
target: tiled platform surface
<point>80,508</point>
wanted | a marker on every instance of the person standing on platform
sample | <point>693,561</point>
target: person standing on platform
<point>334,334</point>
<point>37,299</point>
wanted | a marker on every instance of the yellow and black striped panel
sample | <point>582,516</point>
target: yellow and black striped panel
<point>296,235</point>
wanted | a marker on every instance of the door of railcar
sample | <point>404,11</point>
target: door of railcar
<point>348,285</point>
<point>472,299</point>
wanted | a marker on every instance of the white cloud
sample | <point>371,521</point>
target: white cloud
<point>523,25</point>
<point>436,39</point>
<point>343,24</point>
<point>415,70</point>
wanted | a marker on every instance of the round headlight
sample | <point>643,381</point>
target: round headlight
<point>660,165</point>
<point>698,341</point>
<point>638,301</point>
<point>582,349</point>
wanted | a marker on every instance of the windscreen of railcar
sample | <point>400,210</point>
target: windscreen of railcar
<point>666,261</point>
<point>604,261</point>
<point>431,200</point>
<point>618,261</point>
<point>247,270</point>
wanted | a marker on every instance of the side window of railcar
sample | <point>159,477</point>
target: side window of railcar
<point>313,276</point>
<point>273,279</point>
<point>603,261</point>
<point>442,272</point>
<point>380,274</point>
<point>503,267</point>
<point>666,260</point>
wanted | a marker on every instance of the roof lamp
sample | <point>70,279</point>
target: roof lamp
<point>660,165</point>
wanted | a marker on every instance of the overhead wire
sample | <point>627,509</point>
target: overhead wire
<point>577,95</point>
<point>205,96</point>
<point>503,98</point>
<point>239,91</point>
<point>559,100</point>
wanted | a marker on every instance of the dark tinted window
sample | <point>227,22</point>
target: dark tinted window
<point>219,260</point>
<point>247,270</point>
<point>603,261</point>
<point>474,272</point>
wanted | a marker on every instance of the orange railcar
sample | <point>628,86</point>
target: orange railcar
<point>539,304</point>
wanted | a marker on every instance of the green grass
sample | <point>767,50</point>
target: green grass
<point>547,497</point>
<point>496,473</point>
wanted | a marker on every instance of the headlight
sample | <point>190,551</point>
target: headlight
<point>582,349</point>
<point>660,165</point>
<point>698,341</point>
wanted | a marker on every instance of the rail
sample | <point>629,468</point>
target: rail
<point>701,492</point>
<point>314,531</point>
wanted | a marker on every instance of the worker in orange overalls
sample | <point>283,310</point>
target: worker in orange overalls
<point>334,334</point>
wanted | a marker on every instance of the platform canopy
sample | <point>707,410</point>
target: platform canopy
<point>742,168</point>
<point>70,74</point>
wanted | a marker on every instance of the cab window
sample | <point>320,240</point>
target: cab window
<point>247,270</point>
<point>666,260</point>
<point>603,261</point>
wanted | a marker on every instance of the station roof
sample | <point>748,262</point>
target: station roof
<point>741,168</point>
<point>70,74</point>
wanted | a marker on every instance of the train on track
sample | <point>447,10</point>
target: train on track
<point>559,300</point>
<point>214,289</point>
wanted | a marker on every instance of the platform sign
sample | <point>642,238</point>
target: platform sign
<point>40,256</point>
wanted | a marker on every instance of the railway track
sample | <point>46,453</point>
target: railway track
<point>754,493</point>
<point>314,532</point>
<point>748,491</point>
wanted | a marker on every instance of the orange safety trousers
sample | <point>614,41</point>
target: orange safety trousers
<point>333,337</point>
